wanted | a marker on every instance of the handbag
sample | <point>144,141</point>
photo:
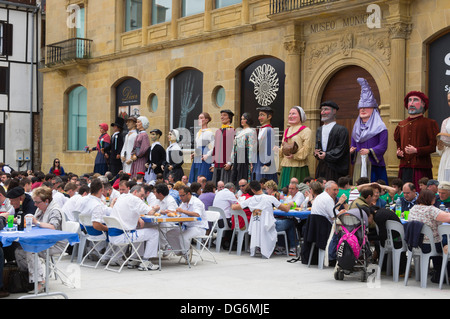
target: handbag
<point>18,281</point>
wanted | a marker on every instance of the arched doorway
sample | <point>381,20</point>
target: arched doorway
<point>343,89</point>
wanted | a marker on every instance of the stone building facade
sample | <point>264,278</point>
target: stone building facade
<point>298,52</point>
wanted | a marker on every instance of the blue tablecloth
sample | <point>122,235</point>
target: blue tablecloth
<point>152,219</point>
<point>38,239</point>
<point>293,213</point>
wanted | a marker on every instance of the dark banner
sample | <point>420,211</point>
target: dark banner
<point>128,98</point>
<point>439,78</point>
<point>263,85</point>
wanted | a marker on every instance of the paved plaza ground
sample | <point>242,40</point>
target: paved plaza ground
<point>234,277</point>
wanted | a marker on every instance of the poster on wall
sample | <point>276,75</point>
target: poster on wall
<point>186,103</point>
<point>439,78</point>
<point>262,84</point>
<point>128,98</point>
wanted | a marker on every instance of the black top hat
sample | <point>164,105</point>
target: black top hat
<point>120,122</point>
<point>330,104</point>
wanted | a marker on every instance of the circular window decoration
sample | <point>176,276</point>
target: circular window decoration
<point>152,103</point>
<point>219,96</point>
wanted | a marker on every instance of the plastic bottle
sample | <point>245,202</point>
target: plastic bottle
<point>398,207</point>
<point>442,207</point>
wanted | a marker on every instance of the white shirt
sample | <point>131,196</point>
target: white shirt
<point>128,209</point>
<point>196,205</point>
<point>224,199</point>
<point>168,203</point>
<point>298,198</point>
<point>326,129</point>
<point>59,198</point>
<point>94,207</point>
<point>70,205</point>
<point>262,229</point>
<point>152,200</point>
<point>323,205</point>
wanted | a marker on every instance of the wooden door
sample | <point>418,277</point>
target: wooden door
<point>343,89</point>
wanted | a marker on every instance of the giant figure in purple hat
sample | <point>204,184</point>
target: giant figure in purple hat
<point>369,138</point>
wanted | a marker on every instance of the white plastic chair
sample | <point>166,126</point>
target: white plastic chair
<point>283,233</point>
<point>241,233</point>
<point>321,257</point>
<point>112,222</point>
<point>417,253</point>
<point>394,254</point>
<point>444,230</point>
<point>203,241</point>
<point>220,231</point>
<point>94,236</point>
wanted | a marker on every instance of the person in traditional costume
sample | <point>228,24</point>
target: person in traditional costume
<point>265,166</point>
<point>416,140</point>
<point>115,147</point>
<point>369,138</point>
<point>223,146</point>
<point>103,141</point>
<point>204,143</point>
<point>156,157</point>
<point>244,151</point>
<point>125,154</point>
<point>174,158</point>
<point>332,145</point>
<point>141,147</point>
<point>295,148</point>
<point>443,148</point>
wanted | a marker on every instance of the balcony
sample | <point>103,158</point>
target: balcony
<point>279,6</point>
<point>72,53</point>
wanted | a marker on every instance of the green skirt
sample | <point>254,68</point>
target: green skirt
<point>288,172</point>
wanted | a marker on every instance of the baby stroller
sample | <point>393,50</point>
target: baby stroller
<point>353,250</point>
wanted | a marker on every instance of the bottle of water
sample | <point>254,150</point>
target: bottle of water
<point>398,207</point>
<point>442,207</point>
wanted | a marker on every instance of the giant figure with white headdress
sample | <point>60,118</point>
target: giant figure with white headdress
<point>296,147</point>
<point>369,138</point>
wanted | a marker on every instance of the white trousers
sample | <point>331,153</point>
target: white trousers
<point>149,236</point>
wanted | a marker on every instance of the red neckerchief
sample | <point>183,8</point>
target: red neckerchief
<point>267,125</point>
<point>299,130</point>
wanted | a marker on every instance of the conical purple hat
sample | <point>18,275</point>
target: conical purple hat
<point>367,99</point>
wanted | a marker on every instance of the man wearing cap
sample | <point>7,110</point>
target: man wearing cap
<point>223,146</point>
<point>112,152</point>
<point>156,157</point>
<point>265,166</point>
<point>21,201</point>
<point>125,154</point>
<point>416,140</point>
<point>332,145</point>
<point>444,195</point>
<point>369,138</point>
<point>101,162</point>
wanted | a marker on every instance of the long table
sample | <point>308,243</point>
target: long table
<point>293,213</point>
<point>158,220</point>
<point>35,241</point>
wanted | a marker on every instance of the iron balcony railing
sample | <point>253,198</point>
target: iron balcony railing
<point>278,6</point>
<point>75,48</point>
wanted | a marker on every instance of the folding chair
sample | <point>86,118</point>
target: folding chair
<point>95,236</point>
<point>220,231</point>
<point>115,228</point>
<point>203,241</point>
<point>71,227</point>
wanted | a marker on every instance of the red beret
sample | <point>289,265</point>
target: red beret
<point>140,173</point>
<point>419,94</point>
